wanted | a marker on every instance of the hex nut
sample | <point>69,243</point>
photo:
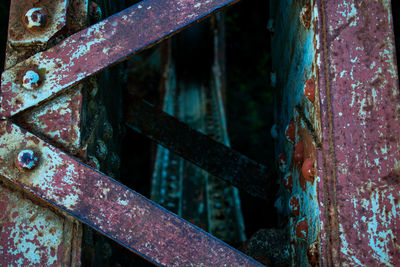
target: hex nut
<point>36,18</point>
<point>31,80</point>
<point>26,160</point>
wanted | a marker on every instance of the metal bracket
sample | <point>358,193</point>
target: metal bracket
<point>109,207</point>
<point>35,22</point>
<point>97,47</point>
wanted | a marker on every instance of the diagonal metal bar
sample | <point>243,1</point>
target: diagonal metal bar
<point>99,46</point>
<point>214,157</point>
<point>109,207</point>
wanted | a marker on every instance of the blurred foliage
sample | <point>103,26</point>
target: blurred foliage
<point>249,97</point>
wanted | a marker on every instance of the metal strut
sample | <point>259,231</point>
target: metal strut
<point>203,151</point>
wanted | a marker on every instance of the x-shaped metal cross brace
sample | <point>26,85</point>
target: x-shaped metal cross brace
<point>90,196</point>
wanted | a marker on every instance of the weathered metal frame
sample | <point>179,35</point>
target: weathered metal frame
<point>156,234</point>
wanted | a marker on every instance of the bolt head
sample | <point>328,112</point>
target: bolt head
<point>27,160</point>
<point>31,80</point>
<point>36,18</point>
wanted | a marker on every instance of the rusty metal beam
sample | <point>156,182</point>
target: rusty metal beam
<point>214,157</point>
<point>99,46</point>
<point>109,207</point>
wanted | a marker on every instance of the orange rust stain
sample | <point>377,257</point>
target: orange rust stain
<point>291,132</point>
<point>308,170</point>
<point>309,90</point>
<point>299,153</point>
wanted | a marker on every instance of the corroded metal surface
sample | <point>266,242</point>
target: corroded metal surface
<point>359,165</point>
<point>33,235</point>
<point>133,221</point>
<point>91,50</point>
<point>343,95</point>
<point>208,154</point>
<point>58,120</point>
<point>35,22</point>
<point>295,62</point>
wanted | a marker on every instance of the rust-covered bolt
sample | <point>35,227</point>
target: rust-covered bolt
<point>26,160</point>
<point>36,18</point>
<point>31,80</point>
<point>313,254</point>
<point>290,132</point>
<point>308,170</point>
<point>302,228</point>
<point>309,90</point>
<point>294,205</point>
<point>299,153</point>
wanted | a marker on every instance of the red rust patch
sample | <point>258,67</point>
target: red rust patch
<point>309,90</point>
<point>299,153</point>
<point>302,228</point>
<point>308,170</point>
<point>291,132</point>
<point>288,182</point>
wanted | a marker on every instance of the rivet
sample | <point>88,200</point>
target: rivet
<point>36,18</point>
<point>31,80</point>
<point>27,160</point>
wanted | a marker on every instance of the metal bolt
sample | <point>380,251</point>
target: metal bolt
<point>31,80</point>
<point>27,160</point>
<point>36,18</point>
